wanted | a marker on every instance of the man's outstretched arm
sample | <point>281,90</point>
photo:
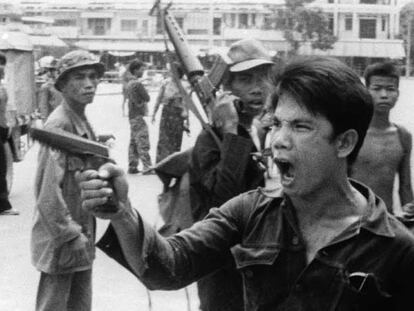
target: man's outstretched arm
<point>161,263</point>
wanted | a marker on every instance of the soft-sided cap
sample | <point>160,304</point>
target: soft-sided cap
<point>47,62</point>
<point>74,60</point>
<point>246,54</point>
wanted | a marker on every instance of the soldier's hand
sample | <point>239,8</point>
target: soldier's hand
<point>225,116</point>
<point>98,186</point>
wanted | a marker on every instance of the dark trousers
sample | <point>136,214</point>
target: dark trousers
<point>4,203</point>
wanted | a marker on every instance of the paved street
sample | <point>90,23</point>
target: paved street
<point>114,287</point>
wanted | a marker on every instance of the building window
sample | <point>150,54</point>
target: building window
<point>368,1</point>
<point>383,23</point>
<point>129,25</point>
<point>180,22</point>
<point>367,29</point>
<point>217,26</point>
<point>348,23</point>
<point>197,31</point>
<point>268,22</point>
<point>243,20</point>
<point>330,1</point>
<point>158,26</point>
<point>331,23</point>
<point>64,22</point>
<point>232,20</point>
<point>144,30</point>
<point>253,20</point>
<point>99,26</point>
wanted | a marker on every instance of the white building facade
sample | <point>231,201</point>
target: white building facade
<point>366,29</point>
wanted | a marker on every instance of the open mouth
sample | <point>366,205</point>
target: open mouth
<point>286,170</point>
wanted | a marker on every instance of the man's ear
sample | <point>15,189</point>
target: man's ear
<point>346,142</point>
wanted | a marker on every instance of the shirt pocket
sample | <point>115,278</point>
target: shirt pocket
<point>256,264</point>
<point>364,291</point>
<point>71,259</point>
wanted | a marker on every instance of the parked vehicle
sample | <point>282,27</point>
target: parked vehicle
<point>111,77</point>
<point>20,84</point>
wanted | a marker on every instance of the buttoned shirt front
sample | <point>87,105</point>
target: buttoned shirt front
<point>369,266</point>
<point>59,218</point>
<point>3,105</point>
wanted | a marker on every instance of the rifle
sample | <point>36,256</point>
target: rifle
<point>87,154</point>
<point>205,86</point>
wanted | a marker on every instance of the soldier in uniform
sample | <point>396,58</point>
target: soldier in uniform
<point>138,99</point>
<point>174,116</point>
<point>63,233</point>
<point>5,206</point>
<point>49,97</point>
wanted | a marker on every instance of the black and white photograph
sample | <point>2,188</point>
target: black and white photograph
<point>206,155</point>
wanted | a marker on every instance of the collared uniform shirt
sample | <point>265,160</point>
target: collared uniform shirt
<point>49,99</point>
<point>138,99</point>
<point>59,218</point>
<point>369,266</point>
<point>3,105</point>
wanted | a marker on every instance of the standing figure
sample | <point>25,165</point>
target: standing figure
<point>321,241</point>
<point>63,234</point>
<point>138,99</point>
<point>5,206</point>
<point>218,173</point>
<point>125,76</point>
<point>49,97</point>
<point>386,152</point>
<point>174,116</point>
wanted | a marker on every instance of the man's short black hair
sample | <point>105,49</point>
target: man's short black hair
<point>327,87</point>
<point>3,59</point>
<point>383,69</point>
<point>134,65</point>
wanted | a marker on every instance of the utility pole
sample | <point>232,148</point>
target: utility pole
<point>408,57</point>
<point>211,19</point>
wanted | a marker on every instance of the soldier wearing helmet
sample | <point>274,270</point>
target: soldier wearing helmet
<point>63,234</point>
<point>49,98</point>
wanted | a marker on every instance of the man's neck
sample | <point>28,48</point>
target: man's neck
<point>245,121</point>
<point>324,216</point>
<point>77,108</point>
<point>381,121</point>
<point>333,202</point>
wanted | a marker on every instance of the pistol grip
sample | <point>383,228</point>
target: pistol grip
<point>108,207</point>
<point>94,163</point>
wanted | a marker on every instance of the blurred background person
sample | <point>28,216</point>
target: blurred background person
<point>138,98</point>
<point>174,116</point>
<point>49,98</point>
<point>5,206</point>
<point>126,76</point>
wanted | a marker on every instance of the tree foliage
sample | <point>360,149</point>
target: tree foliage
<point>301,23</point>
<point>406,21</point>
<point>407,14</point>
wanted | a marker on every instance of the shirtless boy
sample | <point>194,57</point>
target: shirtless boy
<point>387,146</point>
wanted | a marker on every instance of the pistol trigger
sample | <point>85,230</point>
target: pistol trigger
<point>75,164</point>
